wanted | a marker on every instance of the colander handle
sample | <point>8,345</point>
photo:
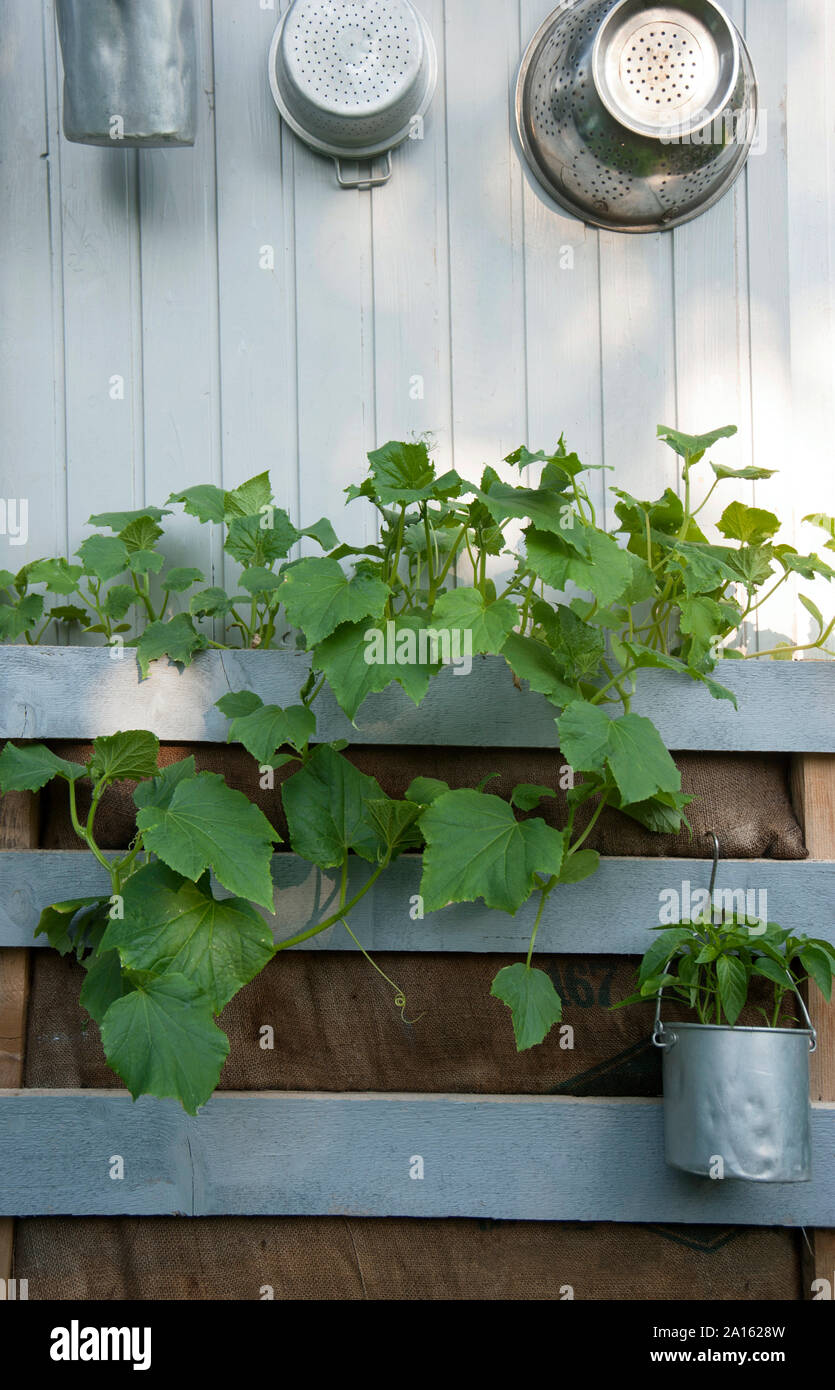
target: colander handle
<point>371,181</point>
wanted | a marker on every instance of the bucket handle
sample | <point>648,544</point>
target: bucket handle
<point>658,1026</point>
<point>371,181</point>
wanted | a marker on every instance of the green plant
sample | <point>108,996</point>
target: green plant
<point>397,611</point>
<point>163,954</point>
<point>710,967</point>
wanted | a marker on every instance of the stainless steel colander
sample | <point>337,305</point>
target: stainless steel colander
<point>353,78</point>
<point>634,116</point>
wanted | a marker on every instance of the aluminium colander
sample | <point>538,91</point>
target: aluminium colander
<point>637,117</point>
<point>353,78</point>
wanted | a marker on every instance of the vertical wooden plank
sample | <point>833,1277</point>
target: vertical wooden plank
<point>179,309</point>
<point>766,179</point>
<point>486,235</point>
<point>813,791</point>
<point>411,281</point>
<point>102,330</point>
<point>713,370</point>
<point>562,314</point>
<point>811,149</point>
<point>31,355</point>
<point>638,356</point>
<point>334,341</point>
<point>255,256</point>
<point>18,830</point>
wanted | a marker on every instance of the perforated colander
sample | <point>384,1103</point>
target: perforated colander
<point>353,78</point>
<point>634,116</point>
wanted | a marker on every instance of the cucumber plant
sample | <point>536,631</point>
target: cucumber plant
<point>656,593</point>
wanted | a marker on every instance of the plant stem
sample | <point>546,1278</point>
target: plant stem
<point>546,892</point>
<point>343,910</point>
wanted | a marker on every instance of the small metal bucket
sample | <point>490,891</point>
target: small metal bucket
<point>130,71</point>
<point>739,1096</point>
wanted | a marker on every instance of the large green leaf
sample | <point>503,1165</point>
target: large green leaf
<point>638,760</point>
<point>578,647</point>
<point>140,534</point>
<point>58,576</point>
<point>174,926</point>
<point>266,729</point>
<point>249,498</point>
<point>103,984</point>
<point>326,804</point>
<point>318,597</point>
<point>703,568</point>
<point>29,768</point>
<point>181,578</point>
<point>163,1041</point>
<point>15,619</point>
<point>476,848</point>
<point>352,676</point>
<point>125,757</point>
<point>207,825</point>
<point>467,610</point>
<point>532,661</point>
<point>532,1000</point>
<point>402,473</point>
<point>60,923</point>
<point>584,735</point>
<point>120,521</point>
<point>693,447</point>
<point>253,542</point>
<point>601,568</point>
<point>644,656</point>
<point>749,524</point>
<point>547,509</point>
<point>104,556</point>
<point>205,501</point>
<point>177,639</point>
<point>702,620</point>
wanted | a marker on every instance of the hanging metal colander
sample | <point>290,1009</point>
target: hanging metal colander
<point>353,78</point>
<point>634,116</point>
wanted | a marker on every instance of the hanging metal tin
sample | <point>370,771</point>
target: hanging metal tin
<point>354,79</point>
<point>636,116</point>
<point>738,1097</point>
<point>130,71</point>
<point>736,1100</point>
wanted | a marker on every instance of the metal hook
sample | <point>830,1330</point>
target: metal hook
<point>711,834</point>
<point>658,1029</point>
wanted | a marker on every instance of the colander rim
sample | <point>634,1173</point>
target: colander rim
<point>691,127</point>
<point>354,153</point>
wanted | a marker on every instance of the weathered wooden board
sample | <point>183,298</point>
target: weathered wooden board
<point>56,692</point>
<point>305,1154</point>
<point>610,913</point>
<point>813,785</point>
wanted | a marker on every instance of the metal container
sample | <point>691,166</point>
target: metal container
<point>633,116</point>
<point>740,1095</point>
<point>353,78</point>
<point>130,71</point>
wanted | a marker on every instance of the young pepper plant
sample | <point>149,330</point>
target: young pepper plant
<point>710,966</point>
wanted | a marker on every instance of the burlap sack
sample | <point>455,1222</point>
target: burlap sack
<point>745,798</point>
<point>336,1028</point>
<point>332,1258</point>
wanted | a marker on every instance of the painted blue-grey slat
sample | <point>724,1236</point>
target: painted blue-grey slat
<point>52,692</point>
<point>612,912</point>
<point>507,1158</point>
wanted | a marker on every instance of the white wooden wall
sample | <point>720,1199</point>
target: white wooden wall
<point>148,266</point>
